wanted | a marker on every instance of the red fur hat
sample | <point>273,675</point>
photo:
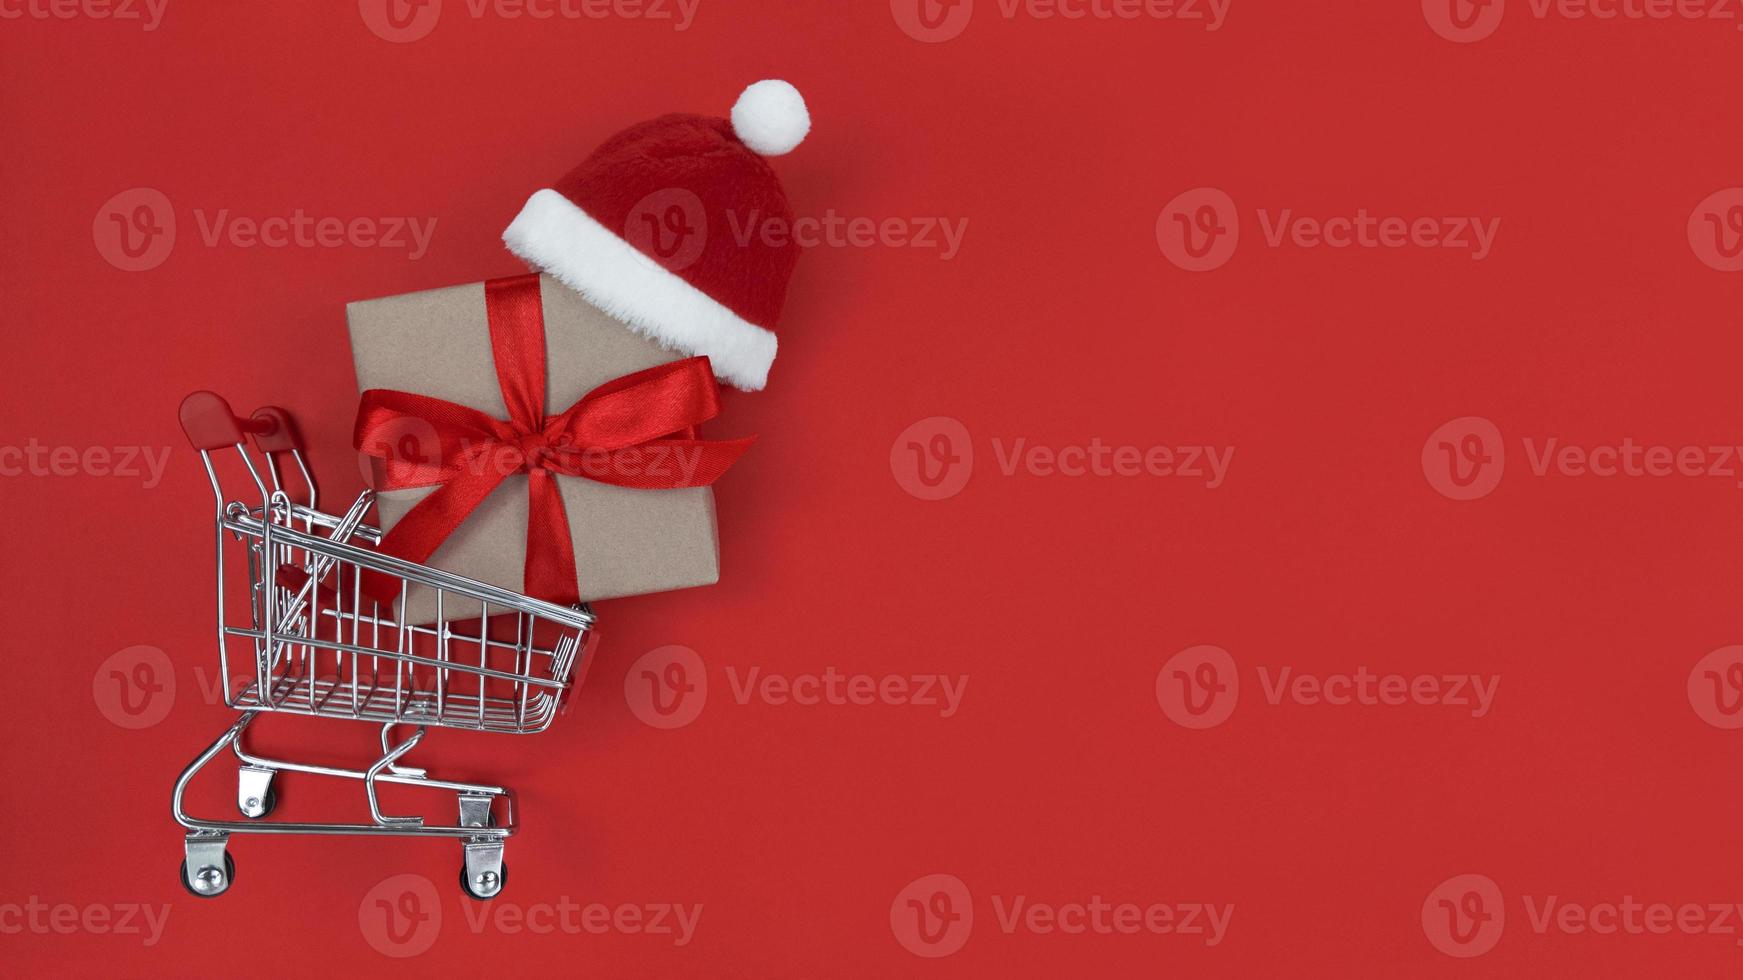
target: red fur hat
<point>650,228</point>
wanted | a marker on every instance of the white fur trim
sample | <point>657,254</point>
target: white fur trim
<point>770,117</point>
<point>555,236</point>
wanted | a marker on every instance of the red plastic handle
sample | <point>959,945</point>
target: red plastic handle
<point>273,431</point>
<point>208,421</point>
<point>210,424</point>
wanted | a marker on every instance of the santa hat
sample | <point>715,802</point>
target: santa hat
<point>662,228</point>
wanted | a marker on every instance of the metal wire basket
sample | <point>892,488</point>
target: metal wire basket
<point>312,639</point>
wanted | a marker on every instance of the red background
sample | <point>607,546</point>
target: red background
<point>1061,320</point>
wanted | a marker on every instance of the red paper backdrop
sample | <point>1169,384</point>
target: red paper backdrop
<point>1600,774</point>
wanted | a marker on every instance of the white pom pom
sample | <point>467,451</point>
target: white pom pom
<point>770,117</point>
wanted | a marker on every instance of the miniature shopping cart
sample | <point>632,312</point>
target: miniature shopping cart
<point>307,638</point>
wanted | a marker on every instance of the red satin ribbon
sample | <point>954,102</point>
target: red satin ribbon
<point>632,432</point>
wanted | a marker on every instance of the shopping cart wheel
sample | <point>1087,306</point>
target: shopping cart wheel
<point>490,888</point>
<point>484,872</point>
<point>209,883</point>
<point>255,793</point>
<point>262,807</point>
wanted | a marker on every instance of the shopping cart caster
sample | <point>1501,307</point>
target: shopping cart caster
<point>485,873</point>
<point>485,891</point>
<point>255,794</point>
<point>216,868</point>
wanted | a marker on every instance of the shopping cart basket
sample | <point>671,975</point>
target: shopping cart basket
<point>308,639</point>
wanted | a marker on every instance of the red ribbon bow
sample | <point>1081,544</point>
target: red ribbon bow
<point>636,431</point>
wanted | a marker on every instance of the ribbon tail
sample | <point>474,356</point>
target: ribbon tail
<point>707,460</point>
<point>550,566</point>
<point>423,529</point>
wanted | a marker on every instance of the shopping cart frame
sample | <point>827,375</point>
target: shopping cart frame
<point>285,616</point>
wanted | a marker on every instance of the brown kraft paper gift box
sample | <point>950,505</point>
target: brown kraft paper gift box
<point>626,541</point>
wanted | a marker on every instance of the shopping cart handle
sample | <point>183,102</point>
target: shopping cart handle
<point>279,433</point>
<point>209,424</point>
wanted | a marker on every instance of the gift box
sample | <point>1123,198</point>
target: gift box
<point>520,422</point>
<point>441,354</point>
